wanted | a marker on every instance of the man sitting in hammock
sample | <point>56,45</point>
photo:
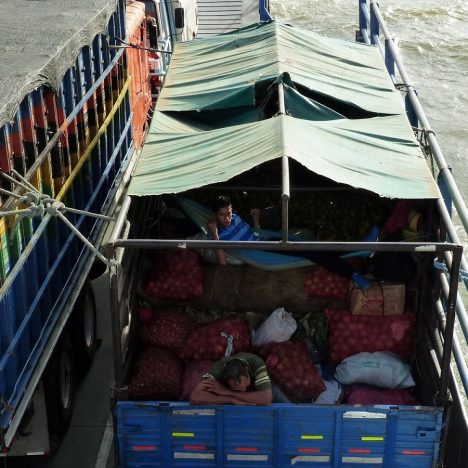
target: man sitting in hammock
<point>227,225</point>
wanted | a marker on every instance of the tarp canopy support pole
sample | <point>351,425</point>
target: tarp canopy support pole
<point>285,195</point>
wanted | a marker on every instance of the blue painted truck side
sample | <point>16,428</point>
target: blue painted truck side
<point>178,434</point>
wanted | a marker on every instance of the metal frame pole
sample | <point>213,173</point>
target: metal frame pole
<point>449,324</point>
<point>285,195</point>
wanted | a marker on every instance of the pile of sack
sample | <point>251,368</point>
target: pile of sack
<point>369,342</point>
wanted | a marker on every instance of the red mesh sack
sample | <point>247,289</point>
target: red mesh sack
<point>157,376</point>
<point>291,368</point>
<point>168,329</point>
<point>380,396</point>
<point>193,373</point>
<point>324,283</point>
<point>212,340</point>
<point>353,334</point>
<point>179,275</point>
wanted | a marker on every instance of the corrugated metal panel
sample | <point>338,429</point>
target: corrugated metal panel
<point>218,16</point>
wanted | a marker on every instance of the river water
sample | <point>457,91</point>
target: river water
<point>433,39</point>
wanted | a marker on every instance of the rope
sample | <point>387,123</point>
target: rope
<point>40,204</point>
<point>403,87</point>
<point>441,266</point>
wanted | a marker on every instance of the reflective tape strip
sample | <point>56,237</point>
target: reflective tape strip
<point>195,412</point>
<point>183,434</point>
<point>311,437</point>
<point>363,460</point>
<point>190,455</point>
<point>144,448</point>
<point>426,248</point>
<point>372,439</point>
<point>194,447</point>
<point>351,450</point>
<point>413,452</point>
<point>308,449</point>
<point>310,459</point>
<point>363,415</point>
<point>238,457</point>
<point>246,449</point>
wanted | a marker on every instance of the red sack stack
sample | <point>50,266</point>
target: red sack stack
<point>291,368</point>
<point>167,329</point>
<point>353,334</point>
<point>157,376</point>
<point>211,341</point>
<point>179,275</point>
<point>324,283</point>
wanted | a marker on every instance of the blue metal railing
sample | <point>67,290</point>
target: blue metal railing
<point>371,25</point>
<point>264,10</point>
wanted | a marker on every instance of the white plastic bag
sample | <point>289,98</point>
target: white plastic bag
<point>381,368</point>
<point>278,327</point>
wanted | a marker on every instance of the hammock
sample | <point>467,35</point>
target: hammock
<point>271,261</point>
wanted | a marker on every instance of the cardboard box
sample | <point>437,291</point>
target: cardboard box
<point>378,299</point>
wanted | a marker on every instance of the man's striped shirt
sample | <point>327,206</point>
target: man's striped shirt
<point>256,368</point>
<point>238,230</point>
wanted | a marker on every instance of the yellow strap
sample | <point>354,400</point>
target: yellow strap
<point>93,143</point>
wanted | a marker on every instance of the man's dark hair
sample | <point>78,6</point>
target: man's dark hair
<point>234,370</point>
<point>221,202</point>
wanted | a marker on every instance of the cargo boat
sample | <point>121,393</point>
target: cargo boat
<point>310,115</point>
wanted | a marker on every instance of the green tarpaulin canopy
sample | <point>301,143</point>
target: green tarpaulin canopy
<point>208,127</point>
<point>222,71</point>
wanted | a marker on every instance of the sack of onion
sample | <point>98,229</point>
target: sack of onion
<point>157,375</point>
<point>220,338</point>
<point>324,283</point>
<point>178,275</point>
<point>166,329</point>
<point>353,334</point>
<point>290,367</point>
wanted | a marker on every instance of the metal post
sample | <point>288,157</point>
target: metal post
<point>362,19</point>
<point>114,294</point>
<point>389,62</point>
<point>264,8</point>
<point>451,231</point>
<point>170,16</point>
<point>115,321</point>
<point>449,325</point>
<point>285,195</point>
<point>410,113</point>
<point>285,199</point>
<point>119,224</point>
<point>374,28</point>
<point>445,192</point>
